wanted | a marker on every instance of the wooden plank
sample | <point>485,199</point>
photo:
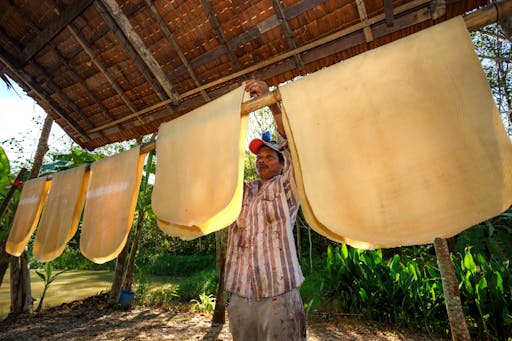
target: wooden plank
<point>288,32</point>
<point>354,39</point>
<point>312,45</point>
<point>361,9</point>
<point>124,24</point>
<point>67,16</point>
<point>250,34</point>
<point>388,11</point>
<point>85,46</point>
<point>207,8</point>
<point>175,46</point>
<point>130,50</point>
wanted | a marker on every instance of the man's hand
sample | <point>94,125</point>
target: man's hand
<point>256,88</point>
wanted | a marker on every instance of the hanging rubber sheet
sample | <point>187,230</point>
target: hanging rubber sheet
<point>61,213</point>
<point>200,166</point>
<point>33,196</point>
<point>110,204</point>
<point>401,144</point>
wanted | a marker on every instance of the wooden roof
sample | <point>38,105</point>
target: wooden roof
<point>113,70</point>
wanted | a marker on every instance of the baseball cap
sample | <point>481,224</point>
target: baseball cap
<point>266,139</point>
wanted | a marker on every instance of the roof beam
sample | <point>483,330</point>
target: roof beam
<point>361,8</point>
<point>252,33</point>
<point>287,31</point>
<point>67,16</point>
<point>124,24</point>
<point>311,46</point>
<point>388,11</point>
<point>207,8</point>
<point>170,38</point>
<point>324,46</point>
<point>83,43</point>
<point>134,56</point>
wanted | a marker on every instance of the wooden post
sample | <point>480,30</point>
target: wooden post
<point>221,243</point>
<point>21,296</point>
<point>458,325</point>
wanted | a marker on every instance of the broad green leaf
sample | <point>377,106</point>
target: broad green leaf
<point>41,275</point>
<point>344,251</point>
<point>469,262</point>
<point>5,171</point>
<point>499,282</point>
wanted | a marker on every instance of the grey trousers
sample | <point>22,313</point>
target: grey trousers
<point>273,318</point>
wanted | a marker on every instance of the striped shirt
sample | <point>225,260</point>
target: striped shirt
<point>261,259</point>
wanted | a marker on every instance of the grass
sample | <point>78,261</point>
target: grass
<point>74,285</point>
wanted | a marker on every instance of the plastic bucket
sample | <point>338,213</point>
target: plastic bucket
<point>126,299</point>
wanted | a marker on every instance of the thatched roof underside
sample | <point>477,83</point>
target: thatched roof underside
<point>113,70</point>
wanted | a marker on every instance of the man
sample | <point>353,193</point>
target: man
<point>262,270</point>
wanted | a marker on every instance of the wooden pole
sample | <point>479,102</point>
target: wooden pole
<point>458,325</point>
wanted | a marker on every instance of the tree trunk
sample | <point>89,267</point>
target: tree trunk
<point>140,224</point>
<point>123,278</point>
<point>221,241</point>
<point>458,325</point>
<point>117,283</point>
<point>21,296</point>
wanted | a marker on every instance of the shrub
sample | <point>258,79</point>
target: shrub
<point>172,265</point>
<point>202,282</point>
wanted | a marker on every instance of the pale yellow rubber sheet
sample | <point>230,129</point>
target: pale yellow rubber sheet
<point>199,173</point>
<point>61,213</point>
<point>401,144</point>
<point>32,199</point>
<point>110,204</point>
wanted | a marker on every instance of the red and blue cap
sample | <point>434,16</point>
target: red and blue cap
<point>266,140</point>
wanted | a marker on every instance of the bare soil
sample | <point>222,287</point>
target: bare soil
<point>93,319</point>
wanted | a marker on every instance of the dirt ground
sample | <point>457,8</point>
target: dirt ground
<point>92,319</point>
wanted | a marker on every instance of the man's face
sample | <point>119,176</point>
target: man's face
<point>267,163</point>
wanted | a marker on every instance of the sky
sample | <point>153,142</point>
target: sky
<point>18,116</point>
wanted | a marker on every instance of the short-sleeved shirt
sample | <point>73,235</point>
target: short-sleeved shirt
<point>261,259</point>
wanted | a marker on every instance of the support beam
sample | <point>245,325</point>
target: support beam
<point>361,8</point>
<point>124,24</point>
<point>130,50</point>
<point>287,31</point>
<point>67,16</point>
<point>83,43</point>
<point>220,35</point>
<point>388,11</point>
<point>473,20</point>
<point>170,38</point>
<point>250,34</point>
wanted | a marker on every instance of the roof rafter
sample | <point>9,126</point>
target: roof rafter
<point>388,11</point>
<point>176,47</point>
<point>124,24</point>
<point>83,43</point>
<point>207,8</point>
<point>55,26</point>
<point>361,8</point>
<point>250,34</point>
<point>319,49</point>
<point>130,50</point>
<point>288,32</point>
